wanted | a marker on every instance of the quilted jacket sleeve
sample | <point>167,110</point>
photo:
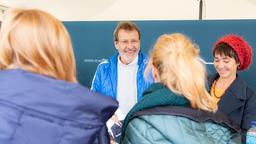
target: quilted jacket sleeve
<point>160,129</point>
<point>96,82</point>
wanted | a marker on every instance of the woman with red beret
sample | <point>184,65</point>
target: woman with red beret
<point>235,99</point>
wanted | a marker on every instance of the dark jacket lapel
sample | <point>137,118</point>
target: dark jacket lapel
<point>234,96</point>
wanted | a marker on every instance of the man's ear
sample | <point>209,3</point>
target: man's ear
<point>116,44</point>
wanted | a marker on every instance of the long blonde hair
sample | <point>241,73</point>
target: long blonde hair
<point>36,41</point>
<point>176,59</point>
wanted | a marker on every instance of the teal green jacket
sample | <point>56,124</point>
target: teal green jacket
<point>166,118</point>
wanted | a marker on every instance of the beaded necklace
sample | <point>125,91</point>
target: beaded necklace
<point>213,91</point>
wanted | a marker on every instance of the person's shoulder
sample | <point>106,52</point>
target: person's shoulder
<point>240,83</point>
<point>143,58</point>
<point>249,89</point>
<point>143,55</point>
<point>105,63</point>
<point>85,93</point>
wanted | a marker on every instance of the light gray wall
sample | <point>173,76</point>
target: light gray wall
<point>109,10</point>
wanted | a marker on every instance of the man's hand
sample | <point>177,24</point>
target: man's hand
<point>116,120</point>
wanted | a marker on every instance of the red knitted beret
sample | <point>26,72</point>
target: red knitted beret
<point>241,47</point>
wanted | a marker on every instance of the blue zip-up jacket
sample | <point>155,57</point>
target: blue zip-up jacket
<point>105,78</point>
<point>36,109</point>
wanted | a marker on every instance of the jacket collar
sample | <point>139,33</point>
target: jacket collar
<point>156,95</point>
<point>160,95</point>
<point>113,69</point>
<point>199,116</point>
<point>237,88</point>
<point>233,97</point>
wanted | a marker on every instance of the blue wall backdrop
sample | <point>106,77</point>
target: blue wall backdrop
<point>93,40</point>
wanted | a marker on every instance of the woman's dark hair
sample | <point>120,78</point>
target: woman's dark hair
<point>225,49</point>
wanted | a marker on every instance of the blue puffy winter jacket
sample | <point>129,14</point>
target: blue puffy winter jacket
<point>36,109</point>
<point>105,78</point>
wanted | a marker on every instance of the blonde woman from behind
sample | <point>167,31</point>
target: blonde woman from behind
<point>41,101</point>
<point>177,109</point>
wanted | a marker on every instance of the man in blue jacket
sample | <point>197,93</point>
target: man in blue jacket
<point>121,76</point>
